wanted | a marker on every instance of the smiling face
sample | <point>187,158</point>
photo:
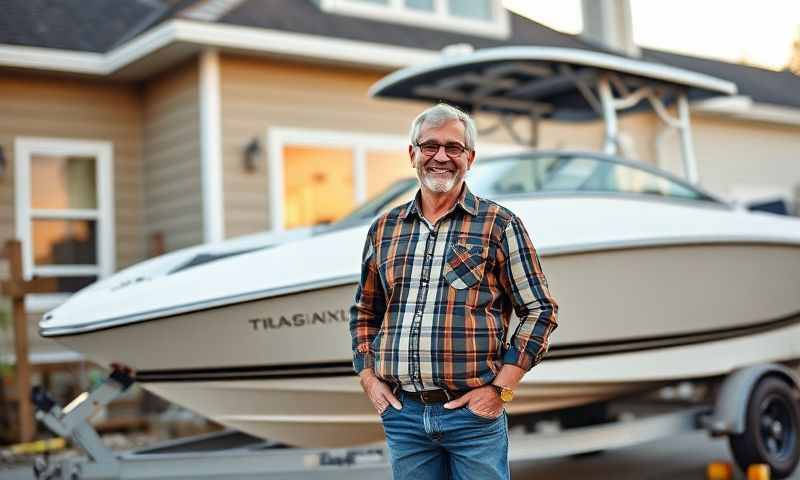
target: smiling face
<point>441,173</point>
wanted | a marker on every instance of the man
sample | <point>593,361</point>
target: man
<point>440,278</point>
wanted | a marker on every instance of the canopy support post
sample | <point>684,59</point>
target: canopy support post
<point>610,105</point>
<point>609,115</point>
<point>534,119</point>
<point>687,144</point>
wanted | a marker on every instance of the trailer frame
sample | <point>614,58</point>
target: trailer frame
<point>232,454</point>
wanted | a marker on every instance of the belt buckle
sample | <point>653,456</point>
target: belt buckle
<point>434,396</point>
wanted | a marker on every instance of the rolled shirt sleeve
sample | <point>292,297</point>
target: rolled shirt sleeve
<point>368,309</point>
<point>522,277</point>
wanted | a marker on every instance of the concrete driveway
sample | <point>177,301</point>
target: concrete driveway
<point>682,457</point>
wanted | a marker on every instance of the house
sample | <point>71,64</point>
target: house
<point>794,63</point>
<point>131,128</point>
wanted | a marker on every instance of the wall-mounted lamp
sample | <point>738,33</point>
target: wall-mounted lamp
<point>2,161</point>
<point>252,152</point>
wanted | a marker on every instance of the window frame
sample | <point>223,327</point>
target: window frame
<point>360,142</point>
<point>440,19</point>
<point>102,152</point>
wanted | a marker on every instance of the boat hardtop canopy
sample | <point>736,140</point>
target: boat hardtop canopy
<point>561,84</point>
<point>548,80</point>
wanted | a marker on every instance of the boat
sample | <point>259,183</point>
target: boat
<point>658,280</point>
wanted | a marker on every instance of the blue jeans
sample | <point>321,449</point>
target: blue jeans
<point>432,442</point>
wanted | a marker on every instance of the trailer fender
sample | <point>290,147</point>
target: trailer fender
<point>730,410</point>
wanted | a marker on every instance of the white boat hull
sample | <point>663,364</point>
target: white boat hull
<point>279,367</point>
<point>610,300</point>
<point>334,412</point>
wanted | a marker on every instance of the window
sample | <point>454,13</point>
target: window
<point>64,210</point>
<point>319,177</point>
<point>318,184</point>
<point>474,17</point>
<point>423,5</point>
<point>476,9</point>
<point>385,167</point>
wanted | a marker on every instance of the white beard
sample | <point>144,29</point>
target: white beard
<point>437,184</point>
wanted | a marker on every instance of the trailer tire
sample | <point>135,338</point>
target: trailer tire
<point>772,421</point>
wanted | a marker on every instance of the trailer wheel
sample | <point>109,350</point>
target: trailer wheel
<point>771,429</point>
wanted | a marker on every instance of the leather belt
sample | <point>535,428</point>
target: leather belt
<point>433,396</point>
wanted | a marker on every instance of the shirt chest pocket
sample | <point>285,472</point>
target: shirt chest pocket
<point>465,263</point>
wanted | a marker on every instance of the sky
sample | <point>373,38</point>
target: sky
<point>758,32</point>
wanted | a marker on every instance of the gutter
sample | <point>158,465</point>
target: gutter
<point>745,108</point>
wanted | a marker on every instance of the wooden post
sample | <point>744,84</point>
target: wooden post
<point>157,244</point>
<point>27,425</point>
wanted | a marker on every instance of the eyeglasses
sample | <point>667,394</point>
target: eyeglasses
<point>452,150</point>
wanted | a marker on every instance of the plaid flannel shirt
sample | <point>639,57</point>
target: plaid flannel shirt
<point>434,302</point>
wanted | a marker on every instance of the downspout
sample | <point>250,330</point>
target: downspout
<point>211,146</point>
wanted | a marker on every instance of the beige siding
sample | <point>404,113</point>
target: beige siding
<point>636,132</point>
<point>42,106</point>
<point>258,94</point>
<point>736,158</point>
<point>173,194</point>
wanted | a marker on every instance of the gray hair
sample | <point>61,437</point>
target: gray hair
<point>440,114</point>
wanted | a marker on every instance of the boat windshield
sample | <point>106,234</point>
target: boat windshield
<point>541,172</point>
<point>397,193</point>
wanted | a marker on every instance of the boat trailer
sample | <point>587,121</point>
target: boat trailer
<point>230,454</point>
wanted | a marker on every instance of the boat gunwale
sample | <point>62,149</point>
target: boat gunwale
<point>352,279</point>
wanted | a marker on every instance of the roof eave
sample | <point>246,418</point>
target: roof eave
<point>743,107</point>
<point>224,37</point>
<point>177,39</point>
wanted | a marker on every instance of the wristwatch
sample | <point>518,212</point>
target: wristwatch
<point>506,394</point>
